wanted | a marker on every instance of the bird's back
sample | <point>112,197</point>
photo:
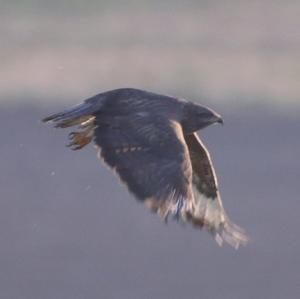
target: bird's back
<point>127,101</point>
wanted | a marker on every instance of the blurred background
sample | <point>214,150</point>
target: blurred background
<point>68,228</point>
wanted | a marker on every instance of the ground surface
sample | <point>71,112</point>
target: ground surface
<point>69,230</point>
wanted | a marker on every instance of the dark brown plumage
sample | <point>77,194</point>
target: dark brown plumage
<point>150,141</point>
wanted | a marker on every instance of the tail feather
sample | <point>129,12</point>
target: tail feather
<point>73,116</point>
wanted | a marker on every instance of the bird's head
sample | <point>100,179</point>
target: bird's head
<point>197,117</point>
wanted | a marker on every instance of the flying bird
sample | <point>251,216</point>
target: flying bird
<point>150,141</point>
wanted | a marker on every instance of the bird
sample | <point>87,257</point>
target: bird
<point>152,143</point>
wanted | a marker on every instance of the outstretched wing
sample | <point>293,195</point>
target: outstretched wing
<point>208,210</point>
<point>150,156</point>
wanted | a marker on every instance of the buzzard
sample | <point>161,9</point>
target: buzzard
<point>150,141</point>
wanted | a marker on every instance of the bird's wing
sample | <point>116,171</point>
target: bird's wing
<point>150,156</point>
<point>208,210</point>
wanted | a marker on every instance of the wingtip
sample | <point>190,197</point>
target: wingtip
<point>232,235</point>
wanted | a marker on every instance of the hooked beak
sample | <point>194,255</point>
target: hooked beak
<point>220,120</point>
<point>209,117</point>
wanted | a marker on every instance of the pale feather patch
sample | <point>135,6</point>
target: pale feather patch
<point>88,122</point>
<point>173,206</point>
<point>208,209</point>
<point>211,214</point>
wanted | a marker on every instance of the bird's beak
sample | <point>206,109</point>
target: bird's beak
<point>220,120</point>
<point>210,116</point>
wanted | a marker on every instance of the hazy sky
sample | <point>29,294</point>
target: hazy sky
<point>241,52</point>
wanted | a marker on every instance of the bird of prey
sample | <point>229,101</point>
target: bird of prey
<point>150,141</point>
